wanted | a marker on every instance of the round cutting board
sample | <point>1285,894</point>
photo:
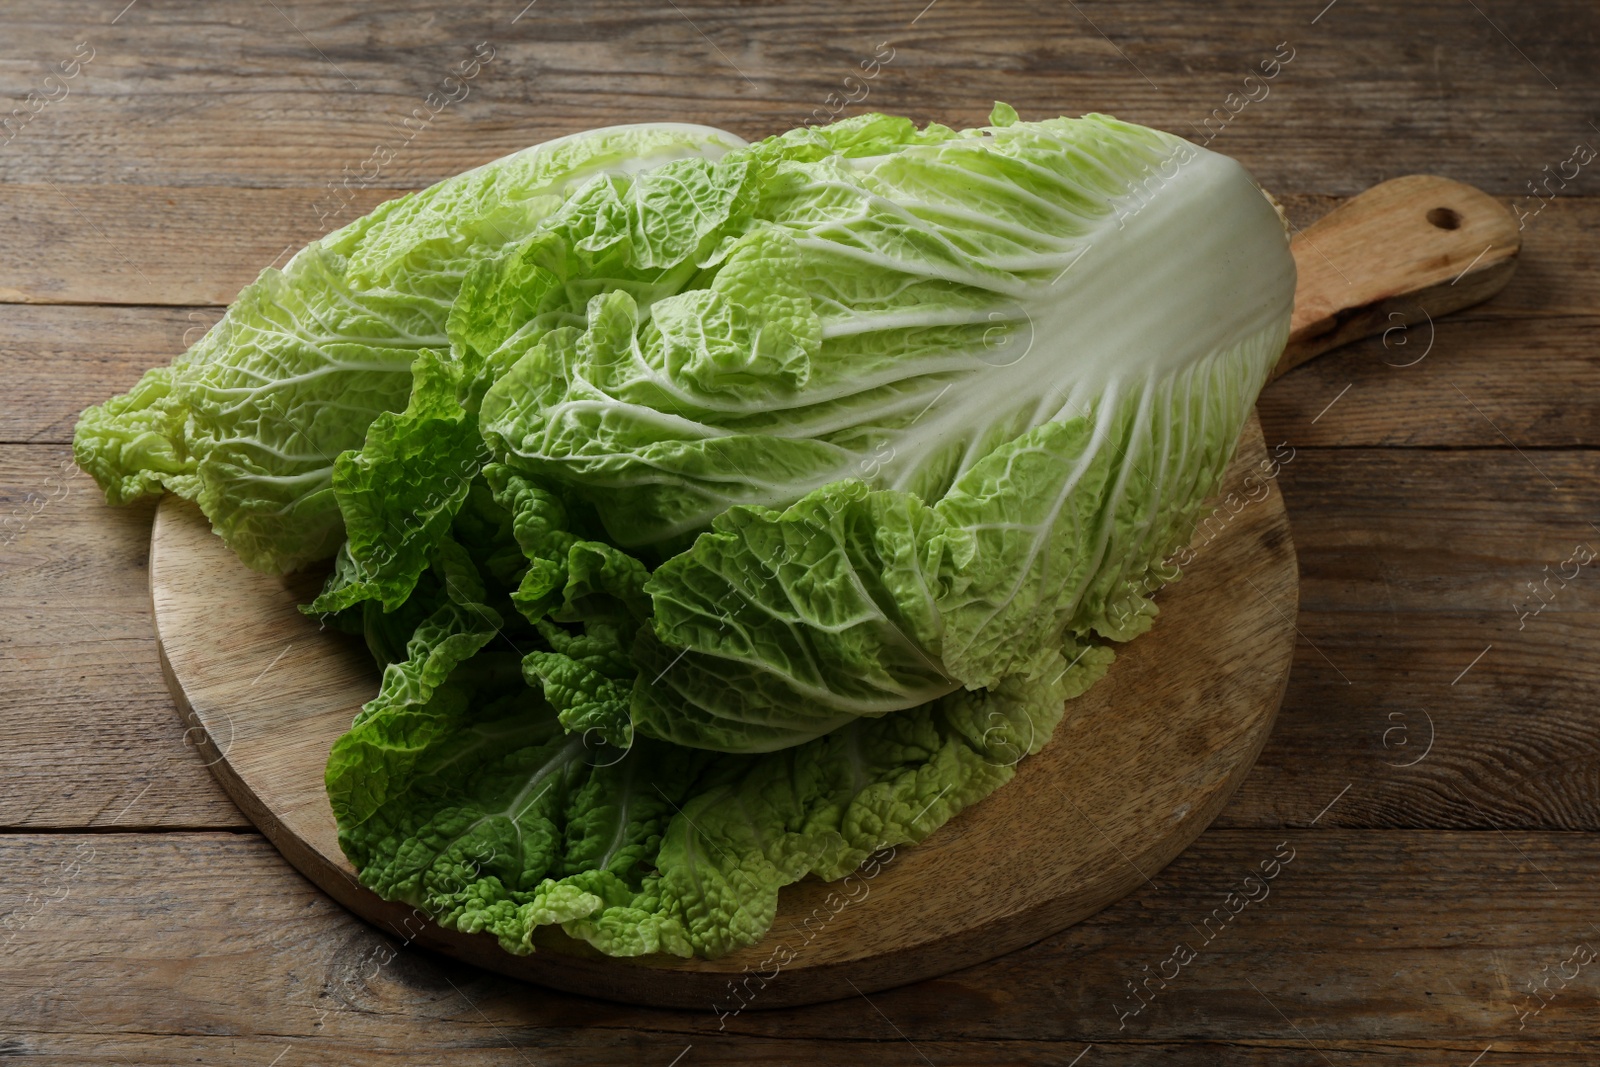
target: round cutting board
<point>1143,762</point>
<point>1141,765</point>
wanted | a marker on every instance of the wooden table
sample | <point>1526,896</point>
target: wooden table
<point>1435,772</point>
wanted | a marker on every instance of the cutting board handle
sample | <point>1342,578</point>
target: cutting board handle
<point>1411,248</point>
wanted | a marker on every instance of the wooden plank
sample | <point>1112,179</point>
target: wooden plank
<point>1467,381</point>
<point>57,360</point>
<point>1410,531</point>
<point>291,96</point>
<point>92,737</point>
<point>122,945</point>
<point>1442,531</point>
<point>1374,705</point>
<point>130,244</point>
<point>1538,383</point>
<point>1430,678</point>
<point>139,1050</point>
<point>1526,359</point>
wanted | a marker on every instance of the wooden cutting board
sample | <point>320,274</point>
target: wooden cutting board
<point>1141,765</point>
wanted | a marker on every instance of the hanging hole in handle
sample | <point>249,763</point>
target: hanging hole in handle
<point>1445,218</point>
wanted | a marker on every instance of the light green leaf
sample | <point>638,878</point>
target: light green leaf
<point>507,825</point>
<point>249,422</point>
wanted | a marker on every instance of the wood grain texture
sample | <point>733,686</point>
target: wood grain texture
<point>1514,743</point>
<point>1404,387</point>
<point>154,960</point>
<point>59,360</point>
<point>80,683</point>
<point>1444,531</point>
<point>1359,944</point>
<point>1462,382</point>
<point>1411,250</point>
<point>1414,563</point>
<point>292,94</point>
<point>1154,750</point>
<point>1559,270</point>
<point>128,244</point>
<point>1541,394</point>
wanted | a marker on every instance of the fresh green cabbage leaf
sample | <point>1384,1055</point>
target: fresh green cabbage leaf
<point>503,823</point>
<point>250,422</point>
<point>893,317</point>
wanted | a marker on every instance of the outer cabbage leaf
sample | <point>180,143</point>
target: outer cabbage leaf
<point>399,494</point>
<point>775,628</point>
<point>417,701</point>
<point>889,305</point>
<point>586,599</point>
<point>588,678</point>
<point>250,420</point>
<point>506,824</point>
<point>645,234</point>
